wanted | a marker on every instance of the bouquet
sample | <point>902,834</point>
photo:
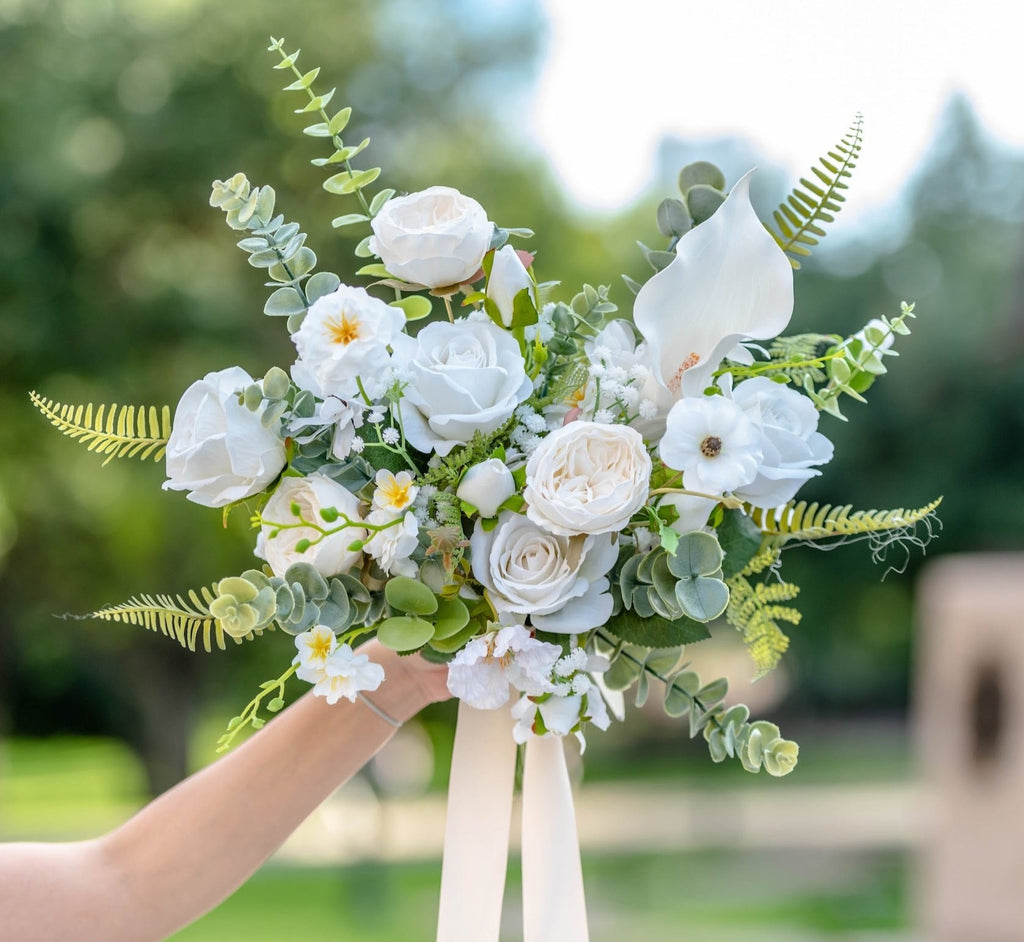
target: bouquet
<point>550,496</point>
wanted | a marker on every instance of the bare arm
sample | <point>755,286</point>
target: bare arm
<point>193,846</point>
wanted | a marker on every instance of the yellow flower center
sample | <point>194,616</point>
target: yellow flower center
<point>321,646</point>
<point>395,494</point>
<point>343,329</point>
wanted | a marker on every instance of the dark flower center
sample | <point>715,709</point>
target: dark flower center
<point>711,447</point>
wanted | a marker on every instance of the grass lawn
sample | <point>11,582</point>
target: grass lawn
<point>719,897</point>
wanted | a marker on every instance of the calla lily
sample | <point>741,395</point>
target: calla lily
<point>729,282</point>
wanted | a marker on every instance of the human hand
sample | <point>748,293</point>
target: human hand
<point>410,681</point>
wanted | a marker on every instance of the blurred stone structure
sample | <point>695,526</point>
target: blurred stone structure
<point>970,726</point>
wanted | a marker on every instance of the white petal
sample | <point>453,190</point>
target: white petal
<point>729,281</point>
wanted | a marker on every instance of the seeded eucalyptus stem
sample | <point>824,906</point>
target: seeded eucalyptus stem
<point>250,714</point>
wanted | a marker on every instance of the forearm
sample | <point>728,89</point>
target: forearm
<point>193,846</point>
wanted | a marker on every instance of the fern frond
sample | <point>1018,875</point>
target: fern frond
<point>755,612</point>
<point>800,217</point>
<point>111,430</point>
<point>173,616</point>
<point>799,520</point>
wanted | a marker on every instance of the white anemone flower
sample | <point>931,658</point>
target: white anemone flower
<point>729,282</point>
<point>713,442</point>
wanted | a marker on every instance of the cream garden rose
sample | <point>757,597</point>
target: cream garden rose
<point>464,378</point>
<point>558,581</point>
<point>329,555</point>
<point>587,477</point>
<point>436,237</point>
<point>219,450</point>
<point>344,336</point>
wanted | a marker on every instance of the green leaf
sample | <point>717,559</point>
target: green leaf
<point>284,302</point>
<point>304,81</point>
<point>740,539</point>
<point>349,219</point>
<point>673,218</point>
<point>452,617</point>
<point>698,554</point>
<point>623,672</point>
<point>404,633</point>
<point>456,641</point>
<point>317,130</point>
<point>320,284</point>
<point>701,172</point>
<point>653,632</point>
<point>702,201</point>
<point>377,203</point>
<point>374,270</point>
<point>409,595</point>
<point>345,182</point>
<point>702,598</point>
<point>680,693</point>
<point>415,306</point>
<point>338,123</point>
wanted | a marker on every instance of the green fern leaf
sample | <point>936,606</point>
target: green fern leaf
<point>755,612</point>
<point>798,218</point>
<point>111,430</point>
<point>173,616</point>
<point>799,520</point>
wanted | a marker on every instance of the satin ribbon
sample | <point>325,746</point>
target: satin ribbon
<point>477,834</point>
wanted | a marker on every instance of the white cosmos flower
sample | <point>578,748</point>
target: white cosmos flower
<point>729,282</point>
<point>481,672</point>
<point>346,673</point>
<point>560,582</point>
<point>713,442</point>
<point>790,441</point>
<point>344,336</point>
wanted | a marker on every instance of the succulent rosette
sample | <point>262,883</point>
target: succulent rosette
<point>548,495</point>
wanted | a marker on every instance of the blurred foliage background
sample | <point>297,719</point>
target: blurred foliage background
<point>117,282</point>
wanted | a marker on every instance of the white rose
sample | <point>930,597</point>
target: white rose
<point>436,238</point>
<point>487,486</point>
<point>464,378</point>
<point>344,335</point>
<point>587,478</point>
<point>508,277</point>
<point>219,450</point>
<point>559,581</point>
<point>329,555</point>
<point>790,441</point>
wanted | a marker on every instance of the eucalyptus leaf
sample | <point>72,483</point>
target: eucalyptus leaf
<point>404,633</point>
<point>656,632</point>
<point>284,302</point>
<point>409,595</point>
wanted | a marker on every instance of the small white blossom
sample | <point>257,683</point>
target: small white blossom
<point>357,445</point>
<point>535,422</point>
<point>315,647</point>
<point>648,409</point>
<point>394,492</point>
<point>346,673</point>
<point>393,545</point>
<point>376,415</point>
<point>391,436</point>
<point>481,672</point>
<point>604,417</point>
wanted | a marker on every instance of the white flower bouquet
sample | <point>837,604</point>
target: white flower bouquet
<point>552,498</point>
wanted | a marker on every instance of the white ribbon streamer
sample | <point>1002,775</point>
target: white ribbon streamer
<point>477,833</point>
<point>477,827</point>
<point>554,907</point>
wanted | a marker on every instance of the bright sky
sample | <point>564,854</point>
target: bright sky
<point>619,75</point>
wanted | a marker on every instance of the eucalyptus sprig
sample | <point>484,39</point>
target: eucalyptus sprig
<point>349,180</point>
